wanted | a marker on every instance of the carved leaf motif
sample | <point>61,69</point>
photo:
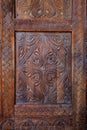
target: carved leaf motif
<point>38,8</point>
<point>43,8</point>
<point>42,125</point>
<point>42,68</point>
<point>49,8</point>
<point>24,6</point>
<point>59,126</point>
<point>27,124</point>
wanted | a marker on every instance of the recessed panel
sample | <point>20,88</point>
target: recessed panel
<point>43,68</point>
<point>59,9</point>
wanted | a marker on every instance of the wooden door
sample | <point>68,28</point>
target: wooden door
<point>42,64</point>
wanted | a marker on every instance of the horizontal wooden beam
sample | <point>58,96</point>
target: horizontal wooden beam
<point>39,25</point>
<point>46,110</point>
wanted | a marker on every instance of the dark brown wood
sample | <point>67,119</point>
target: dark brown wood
<point>0,60</point>
<point>42,70</point>
<point>42,110</point>
<point>42,25</point>
<point>86,57</point>
<point>79,84</point>
<point>50,9</point>
<point>7,60</point>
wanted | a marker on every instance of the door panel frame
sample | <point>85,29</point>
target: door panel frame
<point>78,58</point>
<point>8,25</point>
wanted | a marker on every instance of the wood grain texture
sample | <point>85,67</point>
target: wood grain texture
<point>86,57</point>
<point>43,110</point>
<point>57,123</point>
<point>79,86</point>
<point>86,51</point>
<point>7,59</point>
<point>43,68</point>
<point>0,58</point>
<point>50,9</point>
<point>44,20</point>
<point>42,25</point>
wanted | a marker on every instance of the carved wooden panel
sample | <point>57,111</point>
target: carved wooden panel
<point>59,123</point>
<point>49,66</point>
<point>43,68</point>
<point>61,9</point>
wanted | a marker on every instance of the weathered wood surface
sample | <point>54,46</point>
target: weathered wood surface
<point>7,59</point>
<point>0,59</point>
<point>42,64</point>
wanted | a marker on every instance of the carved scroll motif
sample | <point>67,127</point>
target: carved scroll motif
<point>61,123</point>
<point>43,68</point>
<point>44,8</point>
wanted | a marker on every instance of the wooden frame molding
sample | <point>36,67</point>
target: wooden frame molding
<point>7,59</point>
<point>79,83</point>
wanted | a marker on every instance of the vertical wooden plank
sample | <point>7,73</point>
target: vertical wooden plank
<point>79,84</point>
<point>86,58</point>
<point>7,60</point>
<point>0,56</point>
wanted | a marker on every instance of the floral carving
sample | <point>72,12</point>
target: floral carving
<point>42,68</point>
<point>43,8</point>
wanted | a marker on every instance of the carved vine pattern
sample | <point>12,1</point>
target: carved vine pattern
<point>43,68</point>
